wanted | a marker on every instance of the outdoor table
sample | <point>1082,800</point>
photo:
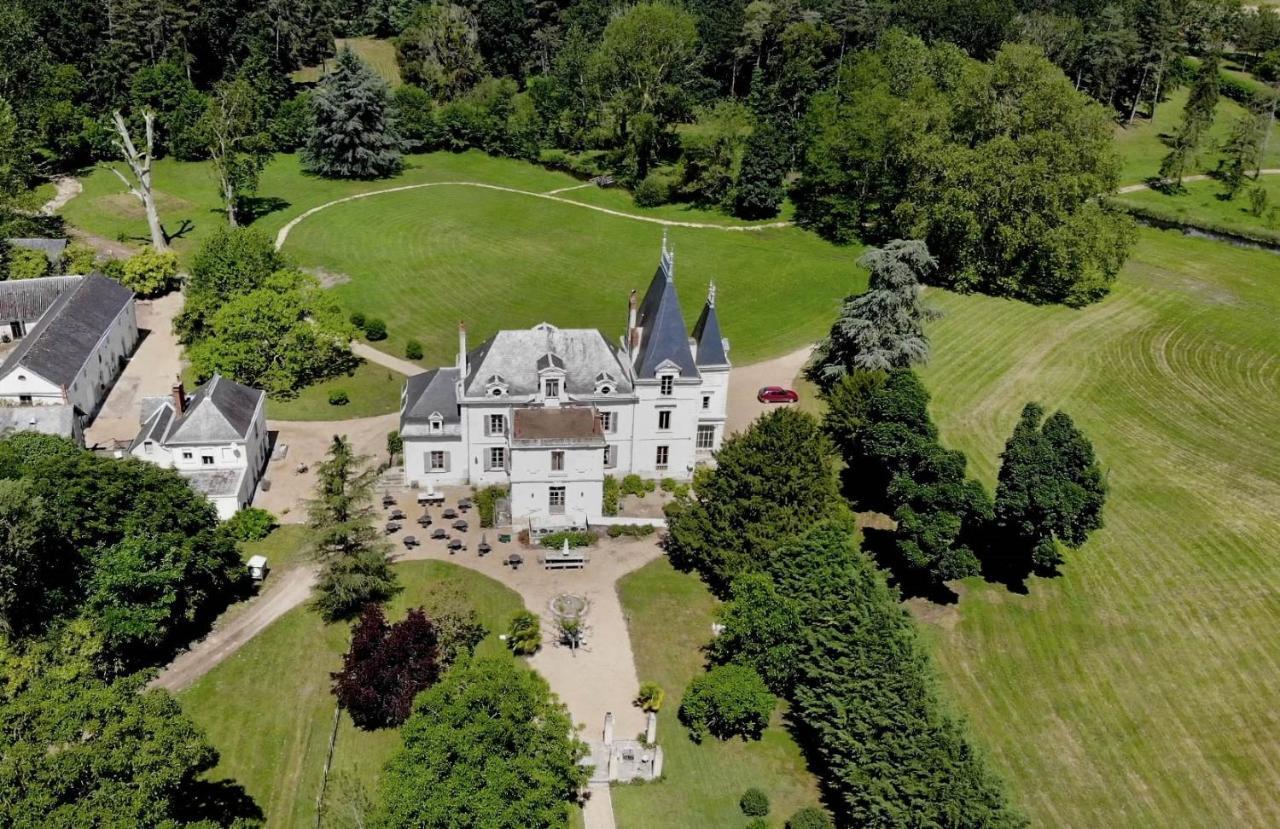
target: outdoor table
<point>411,541</point>
<point>424,521</point>
<point>515,560</point>
<point>483,547</point>
<point>450,513</point>
<point>455,545</point>
<point>464,503</point>
<point>460,525</point>
<point>397,515</point>
<point>439,533</point>
<point>387,500</point>
<point>392,527</point>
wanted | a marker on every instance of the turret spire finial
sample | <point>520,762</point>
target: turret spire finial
<point>711,294</point>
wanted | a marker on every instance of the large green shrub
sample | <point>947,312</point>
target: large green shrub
<point>727,701</point>
<point>652,191</point>
<point>150,273</point>
<point>375,329</point>
<point>486,501</point>
<point>251,524</point>
<point>25,263</point>
<point>754,803</point>
<point>612,495</point>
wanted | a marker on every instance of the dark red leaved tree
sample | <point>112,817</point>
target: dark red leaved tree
<point>386,667</point>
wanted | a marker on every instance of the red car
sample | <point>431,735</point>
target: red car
<point>777,394</point>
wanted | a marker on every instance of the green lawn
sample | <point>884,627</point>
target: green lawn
<point>269,712</point>
<point>1139,688</point>
<point>1141,148</point>
<point>372,389</point>
<point>670,615</point>
<point>423,259</point>
<point>286,547</point>
<point>1202,203</point>
<point>380,54</point>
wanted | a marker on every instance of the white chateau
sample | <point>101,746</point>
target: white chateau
<point>551,411</point>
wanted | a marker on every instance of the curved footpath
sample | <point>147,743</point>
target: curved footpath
<point>1134,188</point>
<point>283,234</point>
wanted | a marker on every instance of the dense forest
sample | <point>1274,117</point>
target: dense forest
<point>879,119</point>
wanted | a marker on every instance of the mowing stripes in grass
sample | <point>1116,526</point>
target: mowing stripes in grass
<point>1137,689</point>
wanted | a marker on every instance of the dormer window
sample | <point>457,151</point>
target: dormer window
<point>551,387</point>
<point>605,383</point>
<point>666,385</point>
<point>495,385</point>
<point>437,425</point>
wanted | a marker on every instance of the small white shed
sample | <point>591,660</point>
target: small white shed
<point>257,568</point>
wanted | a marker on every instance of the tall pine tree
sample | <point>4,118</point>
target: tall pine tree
<point>1197,117</point>
<point>883,328</point>
<point>356,570</point>
<point>353,134</point>
<point>759,192</point>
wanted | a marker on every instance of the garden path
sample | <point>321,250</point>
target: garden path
<point>745,381</point>
<point>66,188</point>
<point>151,372</point>
<point>1134,188</point>
<point>373,355</point>
<point>283,235</point>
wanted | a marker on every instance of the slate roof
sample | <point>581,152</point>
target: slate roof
<point>711,343</point>
<point>517,356</point>
<point>48,420</point>
<point>430,392</point>
<point>26,300</point>
<point>215,483</point>
<point>51,248</point>
<point>220,411</point>
<point>67,334</point>
<point>571,424</point>
<point>663,337</point>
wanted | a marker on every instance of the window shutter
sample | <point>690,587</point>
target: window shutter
<point>446,460</point>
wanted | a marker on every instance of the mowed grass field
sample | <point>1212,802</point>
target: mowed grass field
<point>1141,147</point>
<point>1139,689</point>
<point>268,709</point>
<point>1202,203</point>
<point>669,615</point>
<point>423,259</point>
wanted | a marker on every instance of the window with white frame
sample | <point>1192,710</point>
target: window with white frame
<point>436,425</point>
<point>207,460</point>
<point>706,438</point>
<point>552,388</point>
<point>610,457</point>
<point>186,456</point>
<point>147,446</point>
<point>608,421</point>
<point>497,457</point>
<point>437,461</point>
<point>706,402</point>
<point>557,460</point>
<point>666,385</point>
<point>663,454</point>
<point>497,424</point>
<point>664,420</point>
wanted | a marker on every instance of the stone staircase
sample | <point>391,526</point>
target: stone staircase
<point>391,478</point>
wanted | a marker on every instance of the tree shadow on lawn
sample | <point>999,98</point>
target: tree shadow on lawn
<point>227,800</point>
<point>879,544</point>
<point>253,208</point>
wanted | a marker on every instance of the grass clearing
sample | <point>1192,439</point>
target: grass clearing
<point>268,709</point>
<point>423,259</point>
<point>372,390</point>
<point>1202,203</point>
<point>1141,147</point>
<point>669,615</point>
<point>1137,689</point>
<point>379,53</point>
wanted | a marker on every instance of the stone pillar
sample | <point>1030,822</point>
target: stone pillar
<point>608,729</point>
<point>651,728</point>
<point>657,763</point>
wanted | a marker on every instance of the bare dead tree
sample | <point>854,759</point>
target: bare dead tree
<point>140,166</point>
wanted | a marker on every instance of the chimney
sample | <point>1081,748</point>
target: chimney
<point>462,350</point>
<point>631,322</point>
<point>179,397</point>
